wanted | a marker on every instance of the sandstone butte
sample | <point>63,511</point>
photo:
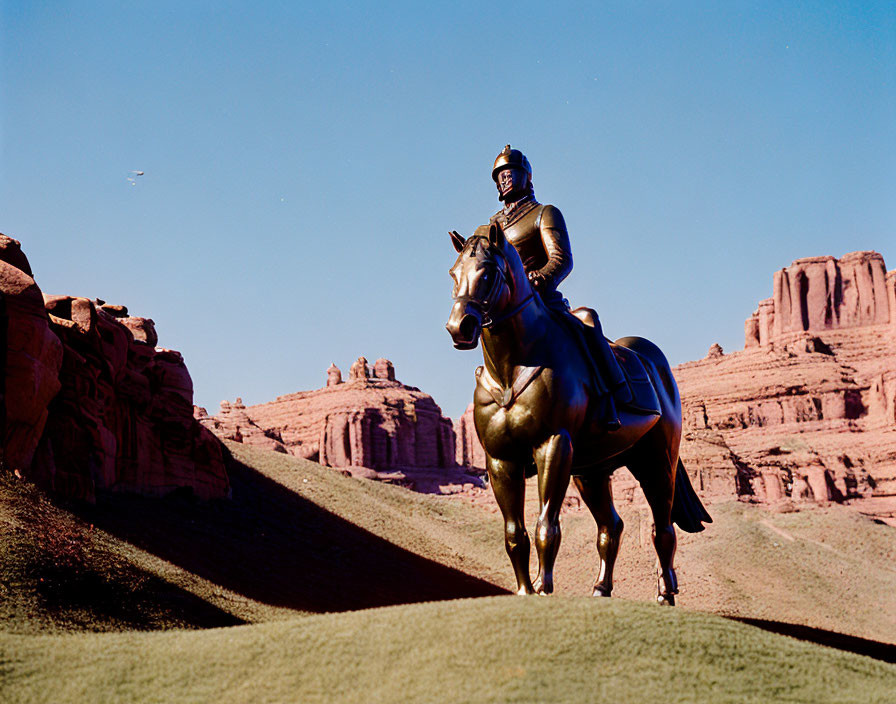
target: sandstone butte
<point>806,412</point>
<point>369,425</point>
<point>89,402</point>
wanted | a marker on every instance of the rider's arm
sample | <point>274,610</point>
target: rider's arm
<point>556,244</point>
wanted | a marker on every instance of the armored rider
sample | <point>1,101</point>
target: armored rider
<point>539,234</point>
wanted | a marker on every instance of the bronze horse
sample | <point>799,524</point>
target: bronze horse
<point>534,404</point>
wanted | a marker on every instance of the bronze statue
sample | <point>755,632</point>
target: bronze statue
<point>539,404</point>
<point>538,232</point>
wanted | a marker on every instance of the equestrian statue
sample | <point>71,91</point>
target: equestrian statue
<point>555,398</point>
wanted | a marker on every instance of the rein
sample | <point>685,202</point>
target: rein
<point>488,321</point>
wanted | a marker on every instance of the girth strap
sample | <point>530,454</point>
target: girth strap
<point>505,397</point>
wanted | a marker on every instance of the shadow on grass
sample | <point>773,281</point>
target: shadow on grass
<point>853,644</point>
<point>125,598</point>
<point>271,545</point>
<point>55,575</point>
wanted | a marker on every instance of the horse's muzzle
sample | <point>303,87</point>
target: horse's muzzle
<point>464,325</point>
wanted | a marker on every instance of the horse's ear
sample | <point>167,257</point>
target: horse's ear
<point>496,235</point>
<point>457,241</point>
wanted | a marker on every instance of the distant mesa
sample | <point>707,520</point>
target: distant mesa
<point>817,294</point>
<point>807,411</point>
<point>370,422</point>
<point>90,402</point>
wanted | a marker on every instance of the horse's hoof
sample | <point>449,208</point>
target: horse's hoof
<point>600,591</point>
<point>667,599</point>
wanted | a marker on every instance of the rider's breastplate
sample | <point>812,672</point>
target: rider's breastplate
<point>523,230</point>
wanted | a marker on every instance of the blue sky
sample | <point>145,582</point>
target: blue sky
<point>303,164</point>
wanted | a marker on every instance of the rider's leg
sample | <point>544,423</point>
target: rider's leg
<point>509,484</point>
<point>608,365</point>
<point>604,355</point>
<point>554,460</point>
<point>598,497</point>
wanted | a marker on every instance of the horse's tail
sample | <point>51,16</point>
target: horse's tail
<point>687,510</point>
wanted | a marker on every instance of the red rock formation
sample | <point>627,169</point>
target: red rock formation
<point>33,357</point>
<point>375,422</point>
<point>91,404</point>
<point>469,449</point>
<point>359,370</point>
<point>824,293</point>
<point>808,408</point>
<point>891,295</point>
<point>233,423</point>
<point>383,369</point>
<point>334,375</point>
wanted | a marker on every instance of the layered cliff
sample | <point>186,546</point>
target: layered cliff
<point>89,402</point>
<point>370,420</point>
<point>808,408</point>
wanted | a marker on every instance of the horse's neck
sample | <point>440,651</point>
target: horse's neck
<point>513,342</point>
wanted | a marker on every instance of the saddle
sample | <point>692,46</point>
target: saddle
<point>643,395</point>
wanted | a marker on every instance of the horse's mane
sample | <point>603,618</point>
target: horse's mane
<point>508,251</point>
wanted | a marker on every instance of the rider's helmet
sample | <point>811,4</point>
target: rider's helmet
<point>511,159</point>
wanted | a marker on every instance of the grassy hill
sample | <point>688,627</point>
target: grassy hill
<point>298,541</point>
<point>500,649</point>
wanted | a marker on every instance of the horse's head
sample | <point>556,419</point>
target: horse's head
<point>483,284</point>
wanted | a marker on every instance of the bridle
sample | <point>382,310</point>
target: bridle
<point>484,307</point>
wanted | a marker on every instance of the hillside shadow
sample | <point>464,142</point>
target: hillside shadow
<point>841,641</point>
<point>271,545</point>
<point>56,575</point>
<point>125,598</point>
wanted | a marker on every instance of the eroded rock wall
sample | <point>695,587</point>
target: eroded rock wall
<point>91,403</point>
<point>368,421</point>
<point>469,449</point>
<point>808,408</point>
<point>33,357</point>
<point>823,293</point>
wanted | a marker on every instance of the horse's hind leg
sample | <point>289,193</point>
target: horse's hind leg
<point>509,484</point>
<point>658,482</point>
<point>598,497</point>
<point>553,459</point>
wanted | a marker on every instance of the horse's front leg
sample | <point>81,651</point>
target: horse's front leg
<point>508,481</point>
<point>553,459</point>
